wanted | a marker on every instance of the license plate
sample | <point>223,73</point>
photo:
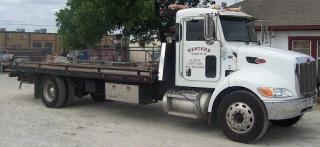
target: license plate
<point>310,102</point>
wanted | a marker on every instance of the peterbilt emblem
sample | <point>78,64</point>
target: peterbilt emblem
<point>308,61</point>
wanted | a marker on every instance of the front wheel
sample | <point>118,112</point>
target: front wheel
<point>286,122</point>
<point>242,117</point>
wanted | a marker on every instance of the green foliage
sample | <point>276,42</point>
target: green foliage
<point>83,22</point>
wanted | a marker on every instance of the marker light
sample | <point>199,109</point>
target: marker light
<point>215,7</point>
<point>177,7</point>
<point>259,61</point>
<point>233,9</point>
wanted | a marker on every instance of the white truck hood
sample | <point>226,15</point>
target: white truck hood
<point>235,46</point>
<point>279,62</point>
<point>269,52</point>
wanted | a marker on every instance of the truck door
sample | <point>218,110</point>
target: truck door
<point>200,61</point>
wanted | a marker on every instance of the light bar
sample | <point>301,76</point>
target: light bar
<point>177,7</point>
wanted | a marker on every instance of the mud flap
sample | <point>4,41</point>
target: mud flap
<point>37,86</point>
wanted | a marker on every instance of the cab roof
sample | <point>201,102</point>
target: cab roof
<point>199,11</point>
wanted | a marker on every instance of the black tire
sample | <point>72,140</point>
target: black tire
<point>246,111</point>
<point>53,91</point>
<point>98,97</point>
<point>286,122</point>
<point>70,92</point>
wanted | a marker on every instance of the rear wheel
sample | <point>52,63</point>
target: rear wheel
<point>242,117</point>
<point>70,93</point>
<point>286,122</point>
<point>53,91</point>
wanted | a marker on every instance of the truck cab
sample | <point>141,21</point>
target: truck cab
<point>220,62</point>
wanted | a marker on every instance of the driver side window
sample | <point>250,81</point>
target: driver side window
<point>194,30</point>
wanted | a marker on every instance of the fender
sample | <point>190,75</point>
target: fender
<point>223,85</point>
<point>251,78</point>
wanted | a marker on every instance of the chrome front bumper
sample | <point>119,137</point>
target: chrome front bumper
<point>285,109</point>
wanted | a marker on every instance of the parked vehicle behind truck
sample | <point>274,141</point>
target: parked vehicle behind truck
<point>5,57</point>
<point>214,68</point>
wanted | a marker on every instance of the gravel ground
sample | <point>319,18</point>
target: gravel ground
<point>27,122</point>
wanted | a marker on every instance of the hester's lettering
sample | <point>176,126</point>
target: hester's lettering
<point>204,49</point>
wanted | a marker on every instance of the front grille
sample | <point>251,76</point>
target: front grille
<point>306,74</point>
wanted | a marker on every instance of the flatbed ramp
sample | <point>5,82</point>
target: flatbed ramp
<point>91,71</point>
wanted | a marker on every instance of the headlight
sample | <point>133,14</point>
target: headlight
<point>275,92</point>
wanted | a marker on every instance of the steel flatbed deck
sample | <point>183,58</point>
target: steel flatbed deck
<point>91,71</point>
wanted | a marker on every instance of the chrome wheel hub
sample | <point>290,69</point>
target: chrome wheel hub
<point>49,91</point>
<point>240,117</point>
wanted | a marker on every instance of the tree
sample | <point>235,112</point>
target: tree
<point>84,22</point>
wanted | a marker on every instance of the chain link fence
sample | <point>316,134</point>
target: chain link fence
<point>129,56</point>
<point>29,54</point>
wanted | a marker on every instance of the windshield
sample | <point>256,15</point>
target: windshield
<point>238,29</point>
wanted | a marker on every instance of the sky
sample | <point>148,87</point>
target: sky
<point>37,14</point>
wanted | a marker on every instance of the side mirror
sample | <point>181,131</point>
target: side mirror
<point>209,29</point>
<point>264,31</point>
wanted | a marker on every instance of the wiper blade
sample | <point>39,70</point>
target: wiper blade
<point>247,42</point>
<point>237,40</point>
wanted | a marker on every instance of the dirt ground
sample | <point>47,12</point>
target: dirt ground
<point>27,122</point>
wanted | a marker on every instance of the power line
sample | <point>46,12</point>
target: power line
<point>25,21</point>
<point>27,24</point>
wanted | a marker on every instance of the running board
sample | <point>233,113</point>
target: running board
<point>187,115</point>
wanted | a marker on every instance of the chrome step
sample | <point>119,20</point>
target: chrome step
<point>180,114</point>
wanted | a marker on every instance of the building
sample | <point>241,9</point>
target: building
<point>292,24</point>
<point>143,54</point>
<point>107,41</point>
<point>22,39</point>
<point>40,39</point>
